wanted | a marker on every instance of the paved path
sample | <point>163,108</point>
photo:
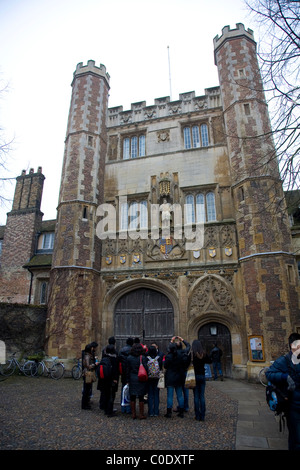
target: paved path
<point>257,428</point>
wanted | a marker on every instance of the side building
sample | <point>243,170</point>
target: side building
<point>171,221</point>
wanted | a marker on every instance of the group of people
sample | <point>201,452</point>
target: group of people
<point>124,366</point>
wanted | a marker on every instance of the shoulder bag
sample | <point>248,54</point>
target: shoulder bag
<point>190,380</point>
<point>142,373</point>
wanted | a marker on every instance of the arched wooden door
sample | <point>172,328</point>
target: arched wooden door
<point>144,313</point>
<point>212,333</point>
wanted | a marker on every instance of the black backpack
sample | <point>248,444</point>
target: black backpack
<point>104,368</point>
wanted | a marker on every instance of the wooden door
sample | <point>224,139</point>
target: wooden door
<point>147,314</point>
<point>212,333</point>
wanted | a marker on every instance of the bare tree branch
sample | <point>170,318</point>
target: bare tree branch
<point>279,54</point>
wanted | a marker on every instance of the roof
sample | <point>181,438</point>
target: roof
<point>39,261</point>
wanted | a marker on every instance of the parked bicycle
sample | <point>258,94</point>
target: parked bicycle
<point>262,375</point>
<point>56,370</point>
<point>77,370</point>
<point>12,364</point>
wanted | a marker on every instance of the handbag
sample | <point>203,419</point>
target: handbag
<point>161,381</point>
<point>90,376</point>
<point>142,373</point>
<point>190,380</point>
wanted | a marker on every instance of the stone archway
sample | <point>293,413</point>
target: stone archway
<point>212,301</point>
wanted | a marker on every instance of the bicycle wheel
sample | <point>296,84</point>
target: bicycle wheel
<point>26,369</point>
<point>57,371</point>
<point>37,369</point>
<point>8,368</point>
<point>76,372</point>
<point>262,376</point>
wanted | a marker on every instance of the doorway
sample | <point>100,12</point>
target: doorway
<point>144,313</point>
<point>213,333</point>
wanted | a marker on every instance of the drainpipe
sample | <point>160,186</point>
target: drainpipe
<point>30,287</point>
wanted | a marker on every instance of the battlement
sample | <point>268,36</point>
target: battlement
<point>228,34</point>
<point>91,68</point>
<point>164,107</point>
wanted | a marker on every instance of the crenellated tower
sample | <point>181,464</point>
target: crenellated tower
<point>75,274</point>
<point>265,250</point>
<point>23,223</point>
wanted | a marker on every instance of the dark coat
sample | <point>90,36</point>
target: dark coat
<point>113,379</point>
<point>199,364</point>
<point>277,374</point>
<point>123,355</point>
<point>176,364</point>
<point>216,354</point>
<point>136,387</point>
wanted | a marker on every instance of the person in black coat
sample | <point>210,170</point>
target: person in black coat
<point>136,388</point>
<point>215,355</point>
<point>123,355</point>
<point>109,384</point>
<point>176,363</point>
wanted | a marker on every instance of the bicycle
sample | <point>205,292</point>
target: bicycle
<point>12,364</point>
<point>77,370</point>
<point>262,375</point>
<point>56,370</point>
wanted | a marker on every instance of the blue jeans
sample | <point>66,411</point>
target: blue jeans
<point>199,398</point>
<point>153,398</point>
<point>217,366</point>
<point>179,394</point>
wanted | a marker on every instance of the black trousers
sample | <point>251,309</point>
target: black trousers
<point>86,394</point>
<point>108,395</point>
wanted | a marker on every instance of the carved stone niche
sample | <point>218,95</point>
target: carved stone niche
<point>165,187</point>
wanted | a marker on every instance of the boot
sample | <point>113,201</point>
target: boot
<point>181,413</point>
<point>142,416</point>
<point>132,406</point>
<point>169,413</point>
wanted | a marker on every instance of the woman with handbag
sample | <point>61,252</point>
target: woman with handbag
<point>137,388</point>
<point>88,368</point>
<point>199,359</point>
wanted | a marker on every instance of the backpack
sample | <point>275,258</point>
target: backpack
<point>277,401</point>
<point>153,367</point>
<point>104,369</point>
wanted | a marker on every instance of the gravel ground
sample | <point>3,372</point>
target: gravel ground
<point>45,414</point>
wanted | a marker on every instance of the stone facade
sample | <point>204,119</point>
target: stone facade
<point>137,184</point>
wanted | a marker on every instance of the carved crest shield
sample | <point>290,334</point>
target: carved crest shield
<point>228,251</point>
<point>166,245</point>
<point>136,257</point>
<point>108,259</point>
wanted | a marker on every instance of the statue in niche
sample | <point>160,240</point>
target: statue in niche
<point>165,209</point>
